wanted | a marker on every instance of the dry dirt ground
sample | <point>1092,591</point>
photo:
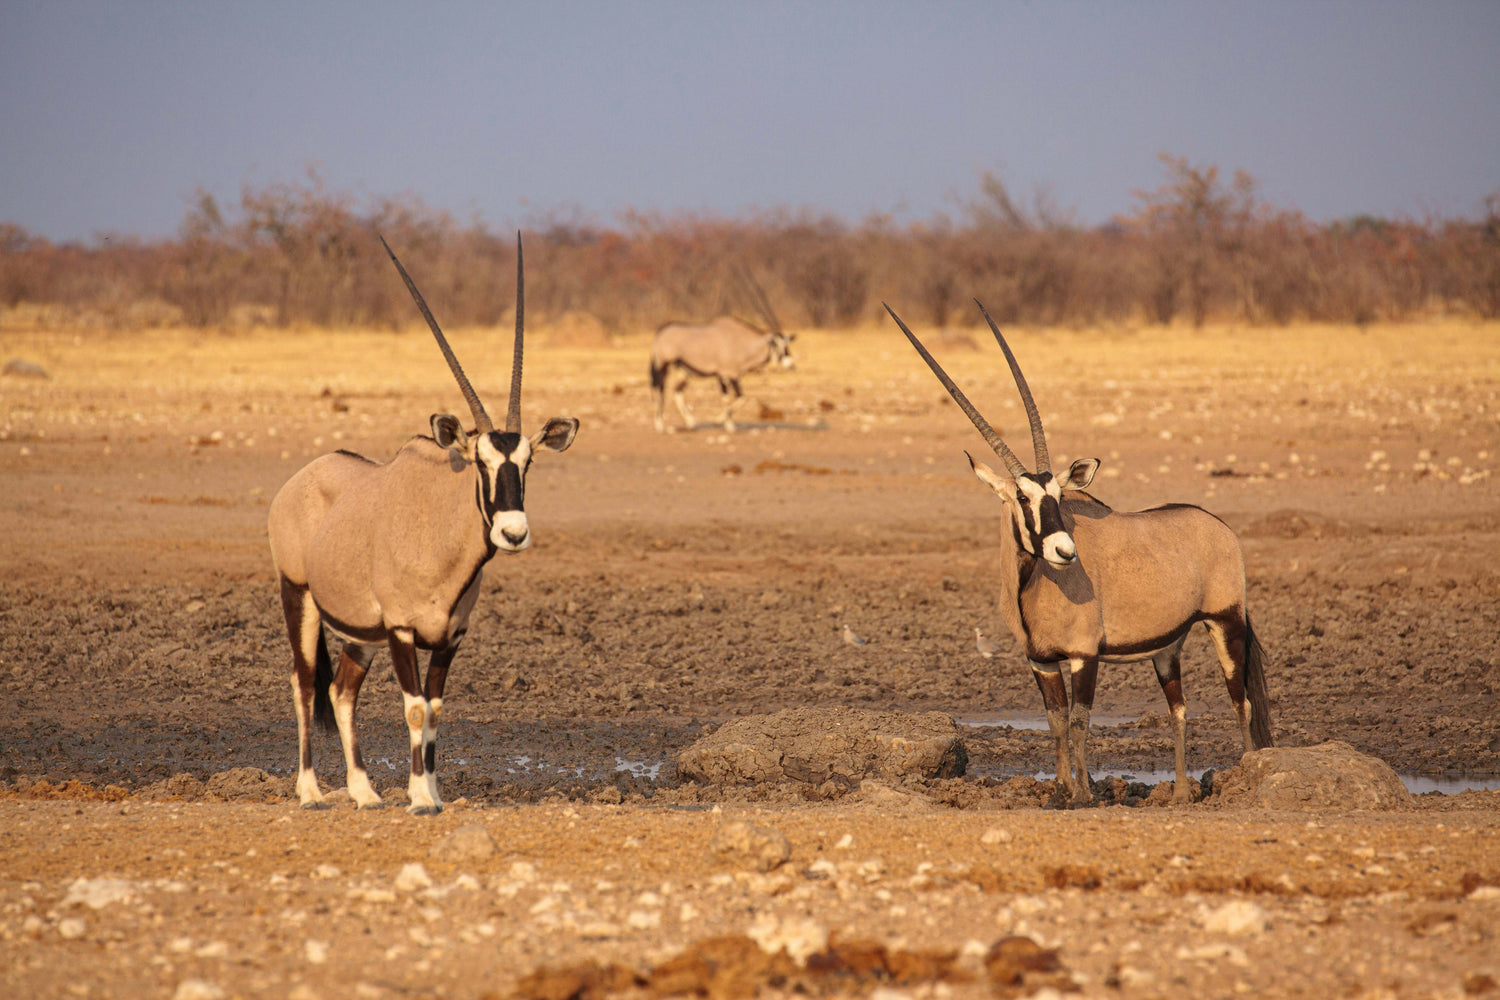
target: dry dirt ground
<point>680,580</point>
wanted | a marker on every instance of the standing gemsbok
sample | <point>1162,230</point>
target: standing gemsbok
<point>726,349</point>
<point>1082,584</point>
<point>393,554</point>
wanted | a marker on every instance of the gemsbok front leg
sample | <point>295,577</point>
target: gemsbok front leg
<point>1085,677</point>
<point>1054,690</point>
<point>354,665</point>
<point>304,629</point>
<point>422,785</point>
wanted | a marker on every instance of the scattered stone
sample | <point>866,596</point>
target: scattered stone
<point>316,951</point>
<point>71,928</point>
<point>468,843</point>
<point>883,796</point>
<point>1331,776</point>
<point>198,989</point>
<point>746,844</point>
<point>413,877</point>
<point>996,835</point>
<point>816,745</point>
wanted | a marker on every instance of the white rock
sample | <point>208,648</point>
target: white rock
<point>522,871</point>
<point>412,877</point>
<point>198,989</point>
<point>213,949</point>
<point>1486,893</point>
<point>97,893</point>
<point>996,835</point>
<point>316,951</point>
<point>1235,918</point>
<point>326,871</point>
<point>72,928</point>
<point>641,920</point>
<point>799,937</point>
<point>845,842</point>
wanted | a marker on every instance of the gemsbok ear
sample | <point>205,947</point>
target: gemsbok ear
<point>558,435</point>
<point>1080,474</point>
<point>1003,485</point>
<point>447,431</point>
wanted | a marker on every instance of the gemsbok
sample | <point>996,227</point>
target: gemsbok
<point>393,553</point>
<point>1081,584</point>
<point>726,349</point>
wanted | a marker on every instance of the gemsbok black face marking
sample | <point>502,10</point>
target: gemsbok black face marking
<point>726,349</point>
<point>393,554</point>
<point>1082,584</point>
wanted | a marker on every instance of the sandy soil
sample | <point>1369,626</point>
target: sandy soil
<point>680,580</point>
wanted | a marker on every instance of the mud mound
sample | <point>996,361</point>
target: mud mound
<point>818,745</point>
<point>1331,776</point>
<point>248,784</point>
<point>1295,524</point>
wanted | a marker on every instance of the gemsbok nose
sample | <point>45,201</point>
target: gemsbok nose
<point>515,537</point>
<point>1061,551</point>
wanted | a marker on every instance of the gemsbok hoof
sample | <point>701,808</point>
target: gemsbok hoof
<point>317,805</point>
<point>424,810</point>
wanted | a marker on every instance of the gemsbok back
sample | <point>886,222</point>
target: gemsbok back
<point>1081,584</point>
<point>726,349</point>
<point>392,553</point>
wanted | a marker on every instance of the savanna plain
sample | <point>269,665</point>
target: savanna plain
<point>152,846</point>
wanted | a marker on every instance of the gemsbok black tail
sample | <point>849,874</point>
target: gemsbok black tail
<point>322,681</point>
<point>1255,690</point>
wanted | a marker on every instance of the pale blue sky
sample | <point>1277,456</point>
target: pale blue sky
<point>113,113</point>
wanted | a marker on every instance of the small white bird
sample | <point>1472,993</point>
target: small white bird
<point>987,649</point>
<point>852,639</point>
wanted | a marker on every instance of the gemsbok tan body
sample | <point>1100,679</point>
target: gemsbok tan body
<point>1082,584</point>
<point>726,349</point>
<point>392,554</point>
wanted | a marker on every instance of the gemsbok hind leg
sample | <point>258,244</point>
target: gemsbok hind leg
<point>1168,665</point>
<point>354,664</point>
<point>730,389</point>
<point>421,786</point>
<point>1244,676</point>
<point>311,674</point>
<point>679,382</point>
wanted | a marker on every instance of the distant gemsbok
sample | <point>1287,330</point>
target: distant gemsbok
<point>1082,584</point>
<point>726,349</point>
<point>393,554</point>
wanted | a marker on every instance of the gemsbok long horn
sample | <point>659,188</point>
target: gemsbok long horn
<point>513,414</point>
<point>481,419</point>
<point>997,445</point>
<point>1038,439</point>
